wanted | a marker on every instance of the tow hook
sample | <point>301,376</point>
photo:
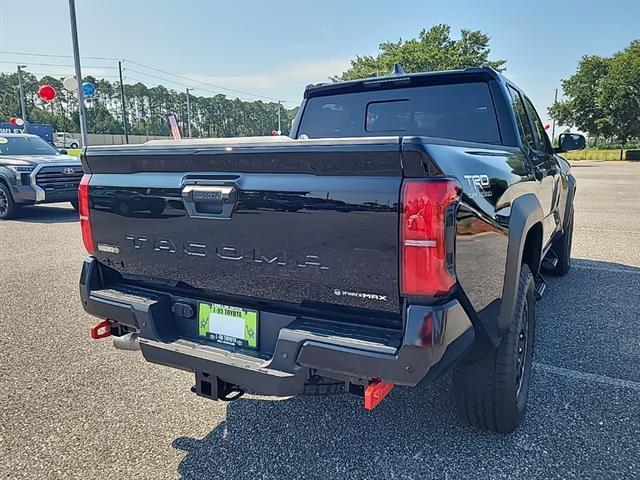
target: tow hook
<point>99,330</point>
<point>375,393</point>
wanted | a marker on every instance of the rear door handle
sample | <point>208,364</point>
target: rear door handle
<point>210,201</point>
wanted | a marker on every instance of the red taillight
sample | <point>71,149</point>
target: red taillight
<point>83,210</point>
<point>427,223</point>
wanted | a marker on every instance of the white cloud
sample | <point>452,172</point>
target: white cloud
<point>287,81</point>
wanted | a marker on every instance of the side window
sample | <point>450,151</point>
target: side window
<point>542,141</point>
<point>521,118</point>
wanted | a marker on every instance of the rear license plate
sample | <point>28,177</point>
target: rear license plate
<point>229,325</point>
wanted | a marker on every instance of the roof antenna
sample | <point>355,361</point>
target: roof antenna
<point>397,70</point>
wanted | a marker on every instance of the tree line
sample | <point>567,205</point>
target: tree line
<point>147,109</point>
<point>603,97</point>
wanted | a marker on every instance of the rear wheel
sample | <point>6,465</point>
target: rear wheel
<point>8,208</point>
<point>492,392</point>
<point>123,208</point>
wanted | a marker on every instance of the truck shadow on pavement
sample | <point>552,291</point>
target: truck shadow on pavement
<point>46,214</point>
<point>415,433</point>
<point>320,437</point>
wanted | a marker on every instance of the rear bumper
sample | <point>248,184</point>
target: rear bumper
<point>301,346</point>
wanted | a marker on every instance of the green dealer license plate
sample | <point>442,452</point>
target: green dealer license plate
<point>229,325</point>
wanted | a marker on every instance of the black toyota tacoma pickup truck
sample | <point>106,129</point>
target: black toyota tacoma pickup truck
<point>398,235</point>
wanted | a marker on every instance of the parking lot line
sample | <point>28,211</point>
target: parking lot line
<point>633,232</point>
<point>606,268</point>
<point>588,377</point>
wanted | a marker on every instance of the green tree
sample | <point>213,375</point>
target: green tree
<point>582,107</point>
<point>603,96</point>
<point>9,96</point>
<point>432,50</point>
<point>621,94</point>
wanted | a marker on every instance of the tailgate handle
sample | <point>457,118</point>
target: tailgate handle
<point>210,201</point>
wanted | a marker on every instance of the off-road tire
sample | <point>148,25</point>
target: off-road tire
<point>8,207</point>
<point>488,392</point>
<point>562,248</point>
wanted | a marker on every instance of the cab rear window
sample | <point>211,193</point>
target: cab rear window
<point>463,111</point>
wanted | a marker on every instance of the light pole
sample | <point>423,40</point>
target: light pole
<point>22,104</point>
<point>189,113</point>
<point>124,107</point>
<point>279,126</point>
<point>76,61</point>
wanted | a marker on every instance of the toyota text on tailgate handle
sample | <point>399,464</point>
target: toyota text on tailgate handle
<point>210,201</point>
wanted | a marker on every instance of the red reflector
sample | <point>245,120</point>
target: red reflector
<point>100,330</point>
<point>426,332</point>
<point>83,210</point>
<point>375,393</point>
<point>423,236</point>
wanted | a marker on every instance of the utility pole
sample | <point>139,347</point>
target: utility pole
<point>189,113</point>
<point>22,104</point>
<point>279,126</point>
<point>76,60</point>
<point>553,123</point>
<point>124,107</point>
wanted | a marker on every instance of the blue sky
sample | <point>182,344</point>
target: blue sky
<point>274,48</point>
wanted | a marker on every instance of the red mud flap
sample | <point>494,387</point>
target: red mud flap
<point>102,329</point>
<point>375,393</point>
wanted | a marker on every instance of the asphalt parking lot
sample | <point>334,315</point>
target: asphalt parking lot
<point>75,408</point>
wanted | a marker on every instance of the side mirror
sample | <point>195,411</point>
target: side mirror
<point>63,151</point>
<point>569,142</point>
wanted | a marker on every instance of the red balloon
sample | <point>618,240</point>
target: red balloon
<point>47,93</point>
<point>13,121</point>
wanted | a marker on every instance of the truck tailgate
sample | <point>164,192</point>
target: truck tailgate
<point>303,222</point>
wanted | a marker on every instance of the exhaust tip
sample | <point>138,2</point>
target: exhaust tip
<point>128,342</point>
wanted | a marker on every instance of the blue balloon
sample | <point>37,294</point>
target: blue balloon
<point>89,89</point>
